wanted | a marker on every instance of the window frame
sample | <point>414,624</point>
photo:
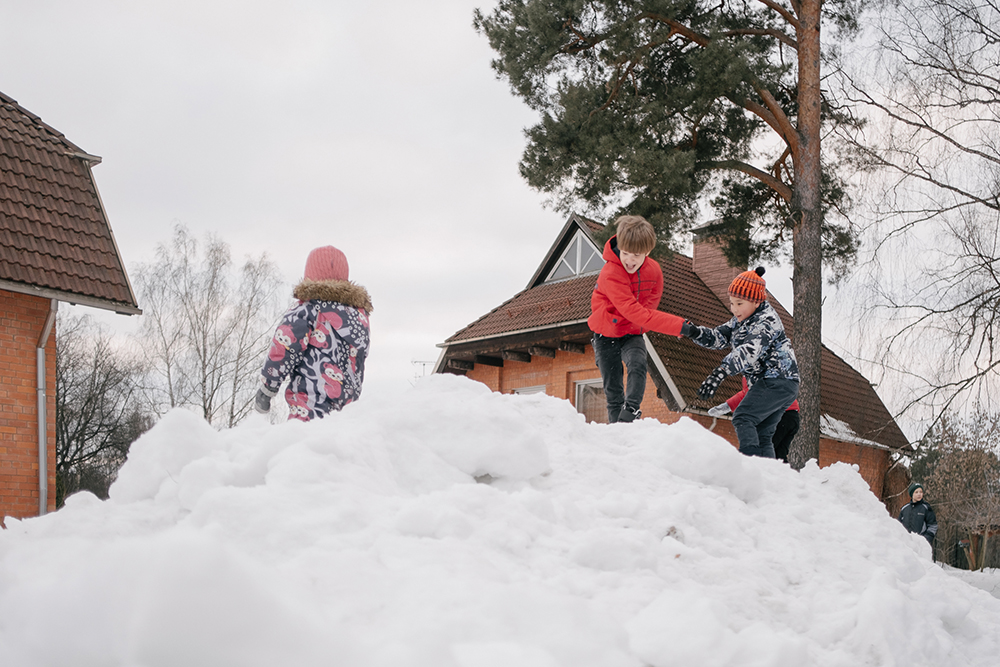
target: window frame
<point>579,241</point>
<point>527,391</point>
<point>578,387</point>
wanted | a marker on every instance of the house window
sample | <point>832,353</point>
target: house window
<point>540,389</point>
<point>590,401</point>
<point>580,257</point>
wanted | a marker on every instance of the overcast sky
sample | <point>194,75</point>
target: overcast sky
<point>375,127</point>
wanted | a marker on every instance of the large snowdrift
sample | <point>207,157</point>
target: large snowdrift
<point>451,526</point>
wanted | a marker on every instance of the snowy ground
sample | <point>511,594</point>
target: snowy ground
<point>365,540</point>
<point>988,579</point>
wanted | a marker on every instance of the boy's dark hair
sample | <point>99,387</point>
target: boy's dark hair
<point>635,234</point>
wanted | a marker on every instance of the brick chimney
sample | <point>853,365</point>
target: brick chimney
<point>710,263</point>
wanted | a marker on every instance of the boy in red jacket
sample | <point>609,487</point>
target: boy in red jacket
<point>623,307</point>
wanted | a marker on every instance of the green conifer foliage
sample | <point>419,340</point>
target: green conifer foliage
<point>647,106</point>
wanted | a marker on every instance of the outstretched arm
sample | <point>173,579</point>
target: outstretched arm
<point>714,339</point>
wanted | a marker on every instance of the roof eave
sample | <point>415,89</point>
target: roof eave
<point>89,163</point>
<point>505,334</point>
<point>70,298</point>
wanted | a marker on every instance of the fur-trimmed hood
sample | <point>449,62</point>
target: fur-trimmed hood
<point>341,291</point>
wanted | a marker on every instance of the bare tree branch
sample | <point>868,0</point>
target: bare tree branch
<point>205,331</point>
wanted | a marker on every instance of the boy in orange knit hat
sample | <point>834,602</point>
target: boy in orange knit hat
<point>761,352</point>
<point>624,307</point>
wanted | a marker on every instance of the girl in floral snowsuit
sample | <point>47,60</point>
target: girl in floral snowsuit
<point>321,343</point>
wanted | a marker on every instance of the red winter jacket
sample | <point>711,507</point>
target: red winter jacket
<point>626,303</point>
<point>735,399</point>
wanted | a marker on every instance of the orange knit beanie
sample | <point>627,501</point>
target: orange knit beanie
<point>749,285</point>
<point>327,263</point>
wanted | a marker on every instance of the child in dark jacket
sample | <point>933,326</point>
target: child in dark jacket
<point>917,515</point>
<point>624,307</point>
<point>321,343</point>
<point>784,433</point>
<point>762,353</point>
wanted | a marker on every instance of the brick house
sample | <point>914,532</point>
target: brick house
<point>55,245</point>
<point>538,340</point>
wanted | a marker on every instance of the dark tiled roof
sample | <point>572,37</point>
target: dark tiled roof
<point>547,304</point>
<point>846,395</point>
<point>594,228</point>
<point>53,231</point>
<point>684,294</point>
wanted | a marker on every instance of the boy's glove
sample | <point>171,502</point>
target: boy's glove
<point>689,330</point>
<point>711,383</point>
<point>262,401</point>
<point>719,410</point>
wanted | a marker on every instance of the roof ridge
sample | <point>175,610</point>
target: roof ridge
<point>55,134</point>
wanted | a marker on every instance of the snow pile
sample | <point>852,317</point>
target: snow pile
<point>365,539</point>
<point>987,579</point>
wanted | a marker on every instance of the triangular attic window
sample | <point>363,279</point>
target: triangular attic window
<point>580,257</point>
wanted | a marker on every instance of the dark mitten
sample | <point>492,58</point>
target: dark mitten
<point>262,401</point>
<point>711,384</point>
<point>689,330</point>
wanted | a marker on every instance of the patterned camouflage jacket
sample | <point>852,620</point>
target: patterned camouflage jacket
<point>320,346</point>
<point>760,347</point>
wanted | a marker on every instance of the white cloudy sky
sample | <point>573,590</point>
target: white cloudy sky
<point>378,128</point>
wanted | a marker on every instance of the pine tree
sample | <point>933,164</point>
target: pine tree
<point>647,106</point>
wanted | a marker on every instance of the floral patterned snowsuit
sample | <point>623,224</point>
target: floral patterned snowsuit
<point>320,345</point>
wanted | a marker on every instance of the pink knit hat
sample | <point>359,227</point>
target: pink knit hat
<point>327,263</point>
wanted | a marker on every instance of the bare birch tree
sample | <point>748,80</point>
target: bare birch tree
<point>930,92</point>
<point>206,328</point>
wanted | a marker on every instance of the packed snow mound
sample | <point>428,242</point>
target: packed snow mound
<point>453,526</point>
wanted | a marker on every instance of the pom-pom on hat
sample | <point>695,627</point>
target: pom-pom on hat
<point>327,263</point>
<point>749,285</point>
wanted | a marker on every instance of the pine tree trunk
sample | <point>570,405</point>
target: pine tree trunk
<point>807,239</point>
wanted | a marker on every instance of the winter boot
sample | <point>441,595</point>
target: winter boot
<point>629,414</point>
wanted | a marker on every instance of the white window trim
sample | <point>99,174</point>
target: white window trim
<point>537,389</point>
<point>584,240</point>
<point>580,384</point>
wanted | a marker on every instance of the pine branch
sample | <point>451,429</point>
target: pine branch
<point>783,190</point>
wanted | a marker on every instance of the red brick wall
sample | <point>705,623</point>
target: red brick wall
<point>22,318</point>
<point>558,375</point>
<point>872,463</point>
